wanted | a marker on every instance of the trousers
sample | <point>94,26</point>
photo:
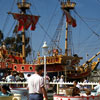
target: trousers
<point>35,96</point>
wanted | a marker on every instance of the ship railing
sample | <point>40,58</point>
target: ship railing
<point>90,85</point>
<point>15,84</point>
<point>14,53</point>
<point>24,84</point>
<point>50,60</point>
<point>7,52</point>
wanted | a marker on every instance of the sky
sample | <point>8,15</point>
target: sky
<point>85,37</point>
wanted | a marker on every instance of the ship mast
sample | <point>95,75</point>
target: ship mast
<point>67,5</point>
<point>23,6</point>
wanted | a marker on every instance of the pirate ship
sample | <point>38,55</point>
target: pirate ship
<point>10,60</point>
<point>67,63</point>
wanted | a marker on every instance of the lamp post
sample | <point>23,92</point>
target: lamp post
<point>45,52</point>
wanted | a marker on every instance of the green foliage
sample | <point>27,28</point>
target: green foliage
<point>15,44</point>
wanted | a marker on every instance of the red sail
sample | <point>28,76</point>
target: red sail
<point>25,21</point>
<point>70,19</point>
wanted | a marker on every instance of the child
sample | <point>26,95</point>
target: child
<point>76,91</point>
<point>5,90</point>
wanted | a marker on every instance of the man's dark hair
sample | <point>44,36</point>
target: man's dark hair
<point>75,81</point>
<point>6,87</point>
<point>38,68</point>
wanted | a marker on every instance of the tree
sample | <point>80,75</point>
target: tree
<point>15,44</point>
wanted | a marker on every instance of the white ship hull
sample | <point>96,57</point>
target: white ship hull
<point>59,97</point>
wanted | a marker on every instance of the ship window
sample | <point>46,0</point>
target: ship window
<point>68,62</point>
<point>23,68</point>
<point>30,68</point>
<point>15,67</point>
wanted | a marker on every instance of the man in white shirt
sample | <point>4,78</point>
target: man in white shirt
<point>10,77</point>
<point>36,85</point>
<point>77,85</point>
<point>61,80</point>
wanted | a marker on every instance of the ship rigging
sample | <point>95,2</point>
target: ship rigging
<point>58,59</point>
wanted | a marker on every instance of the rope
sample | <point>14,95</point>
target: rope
<point>46,33</point>
<point>87,25</point>
<point>98,1</point>
<point>34,7</point>
<point>11,29</point>
<point>6,21</point>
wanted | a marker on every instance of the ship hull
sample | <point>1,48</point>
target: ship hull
<point>78,75</point>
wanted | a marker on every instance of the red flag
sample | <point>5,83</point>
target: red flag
<point>34,21</point>
<point>25,21</point>
<point>74,23</point>
<point>70,19</point>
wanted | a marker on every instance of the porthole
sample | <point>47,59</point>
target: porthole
<point>30,68</point>
<point>15,67</point>
<point>22,67</point>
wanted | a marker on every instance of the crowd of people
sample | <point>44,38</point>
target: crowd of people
<point>36,87</point>
<point>14,77</point>
<point>77,88</point>
<point>88,91</point>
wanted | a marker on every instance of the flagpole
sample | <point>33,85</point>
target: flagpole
<point>23,38</point>
<point>23,6</point>
<point>67,6</point>
<point>66,40</point>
